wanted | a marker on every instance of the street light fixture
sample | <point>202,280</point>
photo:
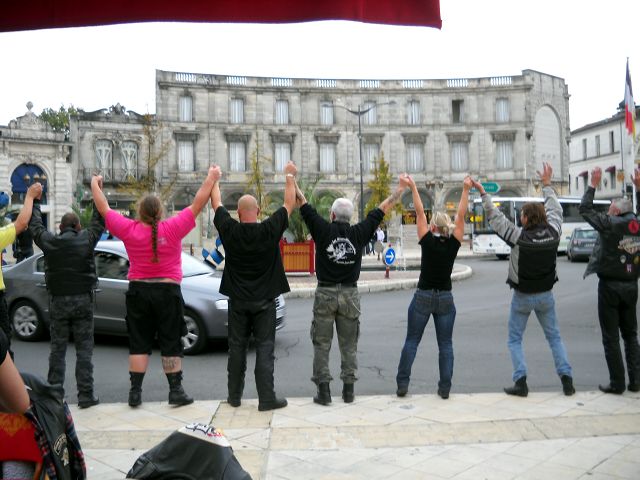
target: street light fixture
<point>359,113</point>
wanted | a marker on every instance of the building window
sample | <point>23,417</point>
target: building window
<point>186,157</point>
<point>413,113</point>
<point>612,179</point>
<point>236,114</point>
<point>185,109</point>
<point>129,159</point>
<point>104,158</point>
<point>502,110</point>
<point>328,157</point>
<point>326,113</point>
<point>584,148</point>
<point>415,157</point>
<point>612,143</point>
<point>282,112</point>
<point>281,155</point>
<point>370,118</point>
<point>237,157</point>
<point>459,156</point>
<point>504,154</point>
<point>457,111</point>
<point>577,186</point>
<point>370,153</point>
<point>597,145</point>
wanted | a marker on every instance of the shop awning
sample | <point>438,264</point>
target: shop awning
<point>611,169</point>
<point>37,14</point>
<point>584,174</point>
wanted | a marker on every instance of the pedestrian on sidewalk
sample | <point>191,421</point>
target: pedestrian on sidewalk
<point>253,278</point>
<point>154,300</point>
<point>616,261</point>
<point>379,237</point>
<point>532,274</point>
<point>439,243</point>
<point>70,276</point>
<point>339,249</point>
<point>8,235</point>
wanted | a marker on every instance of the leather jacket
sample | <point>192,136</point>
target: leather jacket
<point>69,266</point>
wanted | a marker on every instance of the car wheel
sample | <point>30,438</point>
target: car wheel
<point>26,321</point>
<point>196,338</point>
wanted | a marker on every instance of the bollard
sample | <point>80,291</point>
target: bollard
<point>386,272</point>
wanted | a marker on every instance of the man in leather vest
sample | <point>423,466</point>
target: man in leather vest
<point>70,275</point>
<point>532,274</point>
<point>616,261</point>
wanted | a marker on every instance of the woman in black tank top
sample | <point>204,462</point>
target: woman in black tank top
<point>439,242</point>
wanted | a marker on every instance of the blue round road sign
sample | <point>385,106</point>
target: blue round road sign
<point>389,256</point>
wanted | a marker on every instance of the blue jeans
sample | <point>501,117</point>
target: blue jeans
<point>425,303</point>
<point>543,304</point>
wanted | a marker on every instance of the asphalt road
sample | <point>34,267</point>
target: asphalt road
<point>482,362</point>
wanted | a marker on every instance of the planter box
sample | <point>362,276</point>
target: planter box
<point>298,256</point>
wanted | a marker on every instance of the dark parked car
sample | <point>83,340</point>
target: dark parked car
<point>581,243</point>
<point>205,307</point>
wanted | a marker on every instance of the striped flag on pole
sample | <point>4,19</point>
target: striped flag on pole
<point>629,106</point>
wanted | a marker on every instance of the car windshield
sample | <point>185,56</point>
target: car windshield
<point>586,234</point>
<point>191,266</point>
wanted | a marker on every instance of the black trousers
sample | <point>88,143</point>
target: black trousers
<point>617,314</point>
<point>5,324</point>
<point>257,318</point>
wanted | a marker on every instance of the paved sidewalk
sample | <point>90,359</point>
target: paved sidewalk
<point>590,435</point>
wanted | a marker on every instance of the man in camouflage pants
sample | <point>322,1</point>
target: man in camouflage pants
<point>70,274</point>
<point>339,248</point>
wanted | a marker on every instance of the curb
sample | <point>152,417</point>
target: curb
<point>380,285</point>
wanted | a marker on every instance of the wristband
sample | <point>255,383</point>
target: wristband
<point>291,175</point>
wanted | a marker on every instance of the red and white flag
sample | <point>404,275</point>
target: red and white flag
<point>629,106</point>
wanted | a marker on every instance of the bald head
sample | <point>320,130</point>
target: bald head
<point>248,209</point>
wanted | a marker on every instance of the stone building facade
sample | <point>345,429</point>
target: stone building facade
<point>30,151</point>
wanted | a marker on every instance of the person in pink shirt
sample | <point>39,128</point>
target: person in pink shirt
<point>154,299</point>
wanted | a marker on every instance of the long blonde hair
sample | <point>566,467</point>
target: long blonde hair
<point>443,223</point>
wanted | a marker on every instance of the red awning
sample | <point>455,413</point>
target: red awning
<point>584,174</point>
<point>36,14</point>
<point>611,169</point>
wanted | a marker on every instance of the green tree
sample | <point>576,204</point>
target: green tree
<point>59,119</point>
<point>321,201</point>
<point>155,151</point>
<point>84,213</point>
<point>380,186</point>
<point>255,184</point>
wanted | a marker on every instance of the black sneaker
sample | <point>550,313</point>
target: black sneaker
<point>402,391</point>
<point>444,394</point>
<point>234,402</point>
<point>520,388</point>
<point>88,402</point>
<point>610,389</point>
<point>273,405</point>
<point>567,385</point>
<point>634,387</point>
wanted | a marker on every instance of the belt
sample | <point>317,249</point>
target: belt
<point>329,284</point>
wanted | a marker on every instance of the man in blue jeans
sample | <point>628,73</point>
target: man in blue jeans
<point>532,273</point>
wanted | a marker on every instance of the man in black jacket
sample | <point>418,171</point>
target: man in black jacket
<point>70,274</point>
<point>616,261</point>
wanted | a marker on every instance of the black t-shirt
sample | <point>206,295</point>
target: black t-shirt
<point>339,245</point>
<point>436,264</point>
<point>253,267</point>
<point>4,347</point>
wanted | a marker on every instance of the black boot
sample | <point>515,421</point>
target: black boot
<point>520,388</point>
<point>347,393</point>
<point>135,393</point>
<point>177,395</point>
<point>324,394</point>
<point>567,385</point>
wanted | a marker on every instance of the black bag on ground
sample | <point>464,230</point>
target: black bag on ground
<point>194,452</point>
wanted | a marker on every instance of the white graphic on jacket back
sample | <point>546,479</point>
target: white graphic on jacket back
<point>342,251</point>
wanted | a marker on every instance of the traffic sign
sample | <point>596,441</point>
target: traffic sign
<point>489,187</point>
<point>389,256</point>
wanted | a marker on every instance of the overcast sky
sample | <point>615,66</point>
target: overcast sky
<point>586,43</point>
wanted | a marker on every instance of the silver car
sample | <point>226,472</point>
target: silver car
<point>205,312</point>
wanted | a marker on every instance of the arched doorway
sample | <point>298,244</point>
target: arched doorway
<point>409,209</point>
<point>25,175</point>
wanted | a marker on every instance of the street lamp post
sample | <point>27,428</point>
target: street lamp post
<point>359,113</point>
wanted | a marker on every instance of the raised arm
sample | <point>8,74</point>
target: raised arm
<point>290,171</point>
<point>503,227</point>
<point>552,206</point>
<point>99,199</point>
<point>458,231</point>
<point>598,220</point>
<point>22,222</point>
<point>421,218</point>
<point>635,179</point>
<point>216,196</point>
<point>204,192</point>
<point>390,201</point>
